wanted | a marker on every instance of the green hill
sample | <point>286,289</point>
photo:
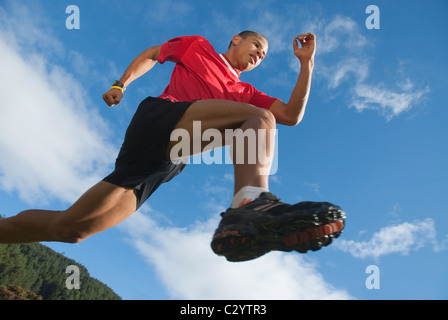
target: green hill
<point>34,268</point>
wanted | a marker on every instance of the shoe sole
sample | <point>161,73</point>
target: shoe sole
<point>316,230</point>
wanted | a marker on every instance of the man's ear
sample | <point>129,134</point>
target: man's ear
<point>236,39</point>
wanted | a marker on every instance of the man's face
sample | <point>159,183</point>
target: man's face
<point>250,52</point>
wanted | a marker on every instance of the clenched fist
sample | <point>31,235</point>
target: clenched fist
<point>113,97</point>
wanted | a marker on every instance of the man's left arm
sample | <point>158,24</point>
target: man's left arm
<point>291,113</point>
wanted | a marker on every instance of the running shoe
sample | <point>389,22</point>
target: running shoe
<point>267,224</point>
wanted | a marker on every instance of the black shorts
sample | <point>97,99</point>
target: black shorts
<point>142,163</point>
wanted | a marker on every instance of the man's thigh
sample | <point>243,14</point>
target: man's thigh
<point>215,114</point>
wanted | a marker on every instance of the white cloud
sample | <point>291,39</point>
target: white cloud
<point>51,143</point>
<point>340,32</point>
<point>341,71</point>
<point>185,263</point>
<point>343,59</point>
<point>401,238</point>
<point>387,102</point>
<point>24,25</point>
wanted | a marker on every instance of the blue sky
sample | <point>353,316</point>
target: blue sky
<point>373,140</point>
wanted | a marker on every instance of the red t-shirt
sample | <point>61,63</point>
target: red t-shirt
<point>201,73</point>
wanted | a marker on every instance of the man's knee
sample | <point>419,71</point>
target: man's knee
<point>265,117</point>
<point>70,233</point>
<point>70,236</point>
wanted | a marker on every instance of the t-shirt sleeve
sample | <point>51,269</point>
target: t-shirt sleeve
<point>174,49</point>
<point>262,100</point>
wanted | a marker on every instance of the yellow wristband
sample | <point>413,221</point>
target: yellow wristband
<point>117,87</point>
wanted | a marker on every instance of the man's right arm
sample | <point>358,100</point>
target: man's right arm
<point>142,64</point>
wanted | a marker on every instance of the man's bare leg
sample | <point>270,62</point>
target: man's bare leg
<point>222,115</point>
<point>100,208</point>
<point>248,172</point>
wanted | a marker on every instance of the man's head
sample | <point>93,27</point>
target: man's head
<point>247,50</point>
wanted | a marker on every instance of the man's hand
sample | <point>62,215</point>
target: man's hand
<point>113,97</point>
<point>308,47</point>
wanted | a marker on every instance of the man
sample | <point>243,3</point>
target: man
<point>204,87</point>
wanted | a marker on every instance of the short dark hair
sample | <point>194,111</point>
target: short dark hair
<point>246,34</point>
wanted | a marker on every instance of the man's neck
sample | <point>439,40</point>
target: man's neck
<point>231,59</point>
